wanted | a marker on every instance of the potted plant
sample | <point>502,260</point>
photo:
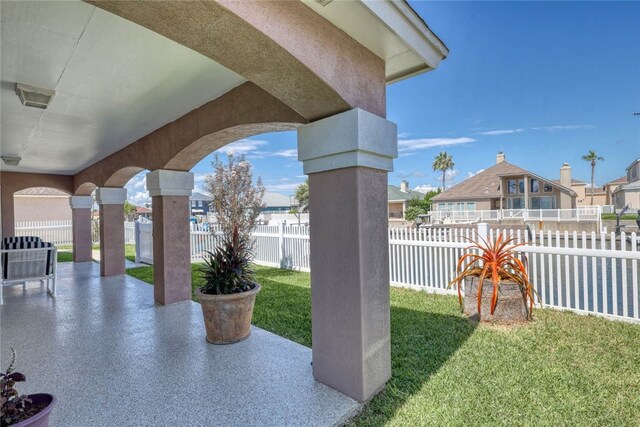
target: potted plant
<point>496,282</point>
<point>229,293</point>
<point>19,410</point>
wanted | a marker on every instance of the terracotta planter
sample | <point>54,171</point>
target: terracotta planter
<point>41,419</point>
<point>511,306</point>
<point>227,318</point>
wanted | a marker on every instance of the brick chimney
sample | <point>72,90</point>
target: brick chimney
<point>404,186</point>
<point>500,157</point>
<point>565,175</point>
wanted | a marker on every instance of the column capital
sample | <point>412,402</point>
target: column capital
<point>169,183</point>
<point>80,202</point>
<point>111,196</point>
<point>353,138</point>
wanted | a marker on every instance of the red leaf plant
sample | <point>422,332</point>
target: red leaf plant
<point>496,261</point>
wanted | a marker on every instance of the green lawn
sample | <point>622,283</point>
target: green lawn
<point>562,369</point>
<point>66,255</point>
<point>627,216</point>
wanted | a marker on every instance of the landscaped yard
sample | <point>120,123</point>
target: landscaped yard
<point>562,369</point>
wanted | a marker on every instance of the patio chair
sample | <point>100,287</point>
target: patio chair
<point>24,261</point>
<point>19,239</point>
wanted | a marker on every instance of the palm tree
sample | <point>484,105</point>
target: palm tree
<point>443,162</point>
<point>592,158</point>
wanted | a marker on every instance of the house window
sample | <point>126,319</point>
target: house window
<point>534,185</point>
<point>521,186</point>
<point>440,206</point>
<point>515,202</point>
<point>471,206</point>
<point>543,202</point>
<point>193,204</point>
<point>511,186</point>
<point>547,188</point>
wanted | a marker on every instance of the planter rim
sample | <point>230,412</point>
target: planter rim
<point>502,282</point>
<point>227,297</point>
<point>42,414</point>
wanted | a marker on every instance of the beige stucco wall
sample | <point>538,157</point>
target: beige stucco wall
<point>41,208</point>
<point>631,198</point>
<point>396,209</point>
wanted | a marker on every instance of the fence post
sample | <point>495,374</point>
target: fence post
<point>483,231</point>
<point>136,238</point>
<point>281,226</point>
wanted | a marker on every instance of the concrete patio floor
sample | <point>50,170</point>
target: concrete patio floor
<point>112,357</point>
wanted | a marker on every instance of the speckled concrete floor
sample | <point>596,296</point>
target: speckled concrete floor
<point>113,358</point>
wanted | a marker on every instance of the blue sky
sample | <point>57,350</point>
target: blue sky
<point>543,81</point>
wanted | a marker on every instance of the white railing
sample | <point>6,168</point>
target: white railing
<point>56,232</point>
<point>584,213</point>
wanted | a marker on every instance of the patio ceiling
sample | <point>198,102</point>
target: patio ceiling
<point>112,78</point>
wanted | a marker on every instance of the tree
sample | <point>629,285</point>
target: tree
<point>302,196</point>
<point>443,162</point>
<point>129,211</point>
<point>592,158</point>
<point>237,202</point>
<point>419,206</point>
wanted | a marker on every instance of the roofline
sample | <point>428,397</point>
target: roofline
<point>633,163</point>
<point>402,20</point>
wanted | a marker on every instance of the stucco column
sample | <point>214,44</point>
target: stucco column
<point>347,158</point>
<point>7,213</point>
<point>170,192</point>
<point>111,203</point>
<point>81,217</point>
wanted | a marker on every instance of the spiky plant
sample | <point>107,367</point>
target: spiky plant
<point>497,261</point>
<point>227,270</point>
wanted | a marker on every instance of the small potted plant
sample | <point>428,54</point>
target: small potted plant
<point>229,293</point>
<point>19,410</point>
<point>496,282</point>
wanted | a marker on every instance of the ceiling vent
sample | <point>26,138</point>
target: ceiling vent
<point>11,160</point>
<point>31,96</point>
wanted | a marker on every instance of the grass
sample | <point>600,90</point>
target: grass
<point>612,216</point>
<point>562,369</point>
<point>65,253</point>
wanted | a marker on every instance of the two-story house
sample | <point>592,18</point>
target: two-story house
<point>629,194</point>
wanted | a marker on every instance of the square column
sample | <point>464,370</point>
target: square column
<point>347,157</point>
<point>170,192</point>
<point>111,204</point>
<point>81,216</point>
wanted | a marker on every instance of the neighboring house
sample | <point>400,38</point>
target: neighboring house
<point>506,186</point>
<point>276,202</point>
<point>200,204</point>
<point>399,198</point>
<point>143,212</point>
<point>41,204</point>
<point>611,186</point>
<point>629,194</point>
<point>583,193</point>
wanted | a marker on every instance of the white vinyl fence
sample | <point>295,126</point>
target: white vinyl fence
<point>585,273</point>
<point>61,232</point>
<point>56,232</point>
<point>583,213</point>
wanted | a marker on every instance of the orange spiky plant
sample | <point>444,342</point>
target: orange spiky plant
<point>496,261</point>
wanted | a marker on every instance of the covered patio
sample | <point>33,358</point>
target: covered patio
<point>124,87</point>
<point>115,358</point>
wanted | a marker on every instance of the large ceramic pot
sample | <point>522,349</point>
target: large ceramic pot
<point>511,306</point>
<point>41,419</point>
<point>227,318</point>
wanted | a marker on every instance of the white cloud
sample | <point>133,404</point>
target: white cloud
<point>403,135</point>
<point>287,154</point>
<point>425,188</point>
<point>470,174</point>
<point>409,145</point>
<point>243,146</point>
<point>500,132</point>
<point>563,127</point>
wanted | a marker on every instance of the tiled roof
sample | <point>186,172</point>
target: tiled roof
<point>394,193</point>
<point>635,185</point>
<point>486,184</point>
<point>621,180</point>
<point>142,210</point>
<point>200,196</point>
<point>40,191</point>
